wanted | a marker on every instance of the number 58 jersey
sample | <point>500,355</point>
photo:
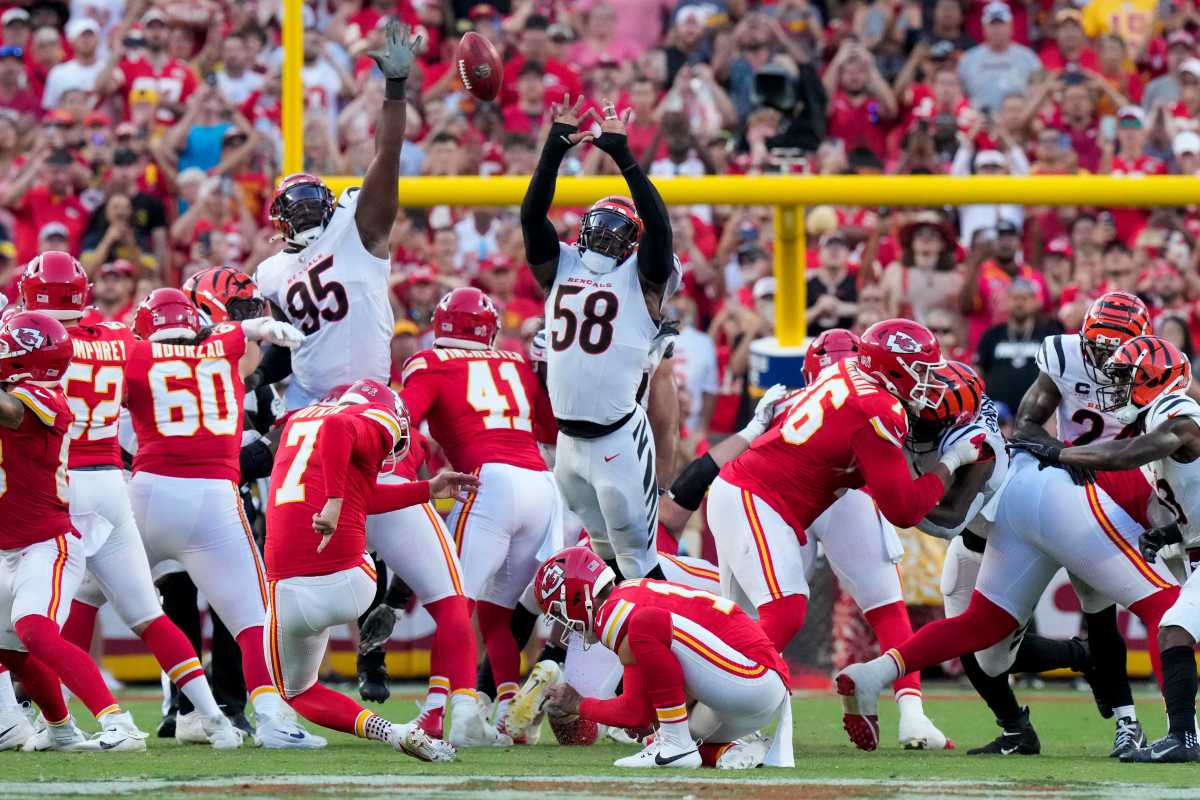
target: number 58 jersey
<point>336,292</point>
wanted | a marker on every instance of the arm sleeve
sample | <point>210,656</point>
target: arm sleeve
<point>630,709</point>
<point>336,443</point>
<point>274,366</point>
<point>904,501</point>
<point>541,240</point>
<point>392,496</point>
<point>256,460</point>
<point>689,488</point>
<point>656,250</point>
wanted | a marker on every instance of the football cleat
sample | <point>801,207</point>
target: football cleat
<point>521,738</point>
<point>746,753</point>
<point>469,726</point>
<point>241,723</point>
<point>621,736</point>
<point>658,754</point>
<point>64,738</point>
<point>1017,737</point>
<point>15,729</point>
<point>431,720</point>
<point>166,728</point>
<point>527,702</point>
<point>413,741</point>
<point>189,728</point>
<point>917,732</point>
<point>577,732</point>
<point>859,685</point>
<point>120,734</point>
<point>278,733</point>
<point>218,731</point>
<point>1171,749</point>
<point>1129,737</point>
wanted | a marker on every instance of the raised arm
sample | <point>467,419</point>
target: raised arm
<point>378,205</point>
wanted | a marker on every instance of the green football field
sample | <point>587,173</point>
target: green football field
<point>1073,763</point>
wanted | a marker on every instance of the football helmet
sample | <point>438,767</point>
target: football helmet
<point>902,355</point>
<point>1140,371</point>
<point>566,587</point>
<point>465,317</point>
<point>34,346</point>
<point>55,284</point>
<point>835,344</point>
<point>301,208</point>
<point>224,294</point>
<point>611,228</point>
<point>1113,319</point>
<point>367,390</point>
<point>166,314</point>
<point>959,404</point>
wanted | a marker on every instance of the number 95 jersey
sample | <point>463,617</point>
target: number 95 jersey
<point>336,292</point>
<point>1079,418</point>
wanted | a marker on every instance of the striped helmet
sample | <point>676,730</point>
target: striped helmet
<point>1114,319</point>
<point>223,294</point>
<point>959,404</point>
<point>1142,370</point>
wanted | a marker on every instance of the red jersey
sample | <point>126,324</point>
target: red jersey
<point>329,451</point>
<point>95,387</point>
<point>33,469</point>
<point>174,83</point>
<point>689,609</point>
<point>481,405</point>
<point>186,404</point>
<point>843,432</point>
<point>418,454</point>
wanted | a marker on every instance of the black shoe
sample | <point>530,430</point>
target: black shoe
<point>1129,737</point>
<point>1017,737</point>
<point>1171,749</point>
<point>241,723</point>
<point>166,728</point>
<point>1089,674</point>
<point>372,686</point>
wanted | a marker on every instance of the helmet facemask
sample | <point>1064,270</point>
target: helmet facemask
<point>302,212</point>
<point>610,236</point>
<point>1096,353</point>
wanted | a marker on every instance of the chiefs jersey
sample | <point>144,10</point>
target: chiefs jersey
<point>186,404</point>
<point>690,609</point>
<point>174,82</point>
<point>325,451</point>
<point>95,387</point>
<point>836,434</point>
<point>33,469</point>
<point>480,405</point>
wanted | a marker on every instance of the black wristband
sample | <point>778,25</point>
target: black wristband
<point>617,146</point>
<point>396,89</point>
<point>556,141</point>
<point>689,488</point>
<point>256,461</point>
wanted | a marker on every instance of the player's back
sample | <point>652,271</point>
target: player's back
<point>336,292</point>
<point>186,404</point>
<point>95,388</point>
<point>1079,418</point>
<point>1176,483</point>
<point>33,468</point>
<point>806,457</point>
<point>481,405</point>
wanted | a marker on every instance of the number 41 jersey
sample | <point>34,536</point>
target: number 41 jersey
<point>337,293</point>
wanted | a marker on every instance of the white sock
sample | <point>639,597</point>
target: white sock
<point>501,710</point>
<point>266,702</point>
<point>910,705</point>
<point>198,691</point>
<point>8,697</point>
<point>460,698</point>
<point>435,697</point>
<point>887,667</point>
<point>673,727</point>
<point>1125,711</point>
<point>109,717</point>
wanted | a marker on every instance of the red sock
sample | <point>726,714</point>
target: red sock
<point>892,627</point>
<point>649,637</point>
<point>40,682</point>
<point>172,651</point>
<point>782,619</point>
<point>332,710</point>
<point>501,645</point>
<point>74,667</point>
<point>80,625</point>
<point>453,653</point>
<point>710,752</point>
<point>1150,610</point>
<point>982,625</point>
<point>254,662</point>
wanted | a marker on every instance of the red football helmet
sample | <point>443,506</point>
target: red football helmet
<point>166,314</point>
<point>1114,319</point>
<point>34,346</point>
<point>1142,370</point>
<point>903,355</point>
<point>611,227</point>
<point>566,586</point>
<point>367,390</point>
<point>55,284</point>
<point>301,208</point>
<point>465,317</point>
<point>959,404</point>
<point>225,293</point>
<point>835,344</point>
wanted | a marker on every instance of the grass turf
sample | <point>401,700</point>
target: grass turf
<point>1075,745</point>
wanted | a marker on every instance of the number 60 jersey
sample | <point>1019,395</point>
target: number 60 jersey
<point>337,293</point>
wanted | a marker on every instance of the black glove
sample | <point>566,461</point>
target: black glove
<point>1047,454</point>
<point>376,628</point>
<point>1155,539</point>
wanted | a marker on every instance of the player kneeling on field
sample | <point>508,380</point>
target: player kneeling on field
<point>322,488</point>
<point>679,646</point>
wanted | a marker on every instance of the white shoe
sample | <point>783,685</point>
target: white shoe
<point>65,738</point>
<point>277,733</point>
<point>216,731</point>
<point>746,753</point>
<point>619,736</point>
<point>859,685</point>
<point>527,702</point>
<point>917,732</point>
<point>120,735</point>
<point>660,754</point>
<point>470,728</point>
<point>411,740</point>
<point>189,728</point>
<point>15,729</point>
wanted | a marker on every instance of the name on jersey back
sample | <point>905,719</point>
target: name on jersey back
<point>113,350</point>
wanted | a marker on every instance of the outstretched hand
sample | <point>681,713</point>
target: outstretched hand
<point>573,114</point>
<point>562,701</point>
<point>613,128</point>
<point>399,52</point>
<point>453,485</point>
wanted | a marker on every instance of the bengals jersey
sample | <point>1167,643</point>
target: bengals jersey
<point>95,388</point>
<point>843,432</point>
<point>1176,483</point>
<point>33,469</point>
<point>480,404</point>
<point>690,609</point>
<point>186,404</point>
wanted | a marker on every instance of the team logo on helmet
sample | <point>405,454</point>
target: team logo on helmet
<point>28,338</point>
<point>901,342</point>
<point>552,580</point>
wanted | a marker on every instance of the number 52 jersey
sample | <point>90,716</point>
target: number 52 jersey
<point>336,292</point>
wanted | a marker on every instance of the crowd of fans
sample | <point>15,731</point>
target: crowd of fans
<point>143,136</point>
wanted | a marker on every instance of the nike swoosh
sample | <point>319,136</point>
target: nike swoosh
<point>298,735</point>
<point>662,762</point>
<point>610,458</point>
<point>106,746</point>
<point>1007,751</point>
<point>7,731</point>
<point>1157,754</point>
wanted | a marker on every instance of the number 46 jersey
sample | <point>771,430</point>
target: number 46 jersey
<point>336,292</point>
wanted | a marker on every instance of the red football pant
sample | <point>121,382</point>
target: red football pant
<point>40,683</point>
<point>782,619</point>
<point>1150,610</point>
<point>453,652</point>
<point>501,645</point>
<point>74,667</point>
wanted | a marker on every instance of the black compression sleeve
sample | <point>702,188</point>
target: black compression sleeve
<point>256,460</point>
<point>275,365</point>
<point>541,240</point>
<point>656,249</point>
<point>689,488</point>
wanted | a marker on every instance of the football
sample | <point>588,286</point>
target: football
<point>479,66</point>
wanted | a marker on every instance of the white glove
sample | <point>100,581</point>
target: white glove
<point>283,334</point>
<point>537,347</point>
<point>764,413</point>
<point>963,452</point>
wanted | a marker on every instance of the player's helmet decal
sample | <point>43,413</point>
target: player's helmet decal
<point>901,342</point>
<point>28,338</point>
<point>551,583</point>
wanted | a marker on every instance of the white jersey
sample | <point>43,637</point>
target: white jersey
<point>337,293</point>
<point>662,347</point>
<point>982,512</point>
<point>1176,484</point>
<point>601,335</point>
<point>1079,418</point>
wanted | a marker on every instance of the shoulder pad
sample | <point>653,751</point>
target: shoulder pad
<point>415,364</point>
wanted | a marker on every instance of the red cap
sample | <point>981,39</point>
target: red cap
<point>496,263</point>
<point>118,267</point>
<point>59,116</point>
<point>1060,246</point>
<point>97,118</point>
<point>421,275</point>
